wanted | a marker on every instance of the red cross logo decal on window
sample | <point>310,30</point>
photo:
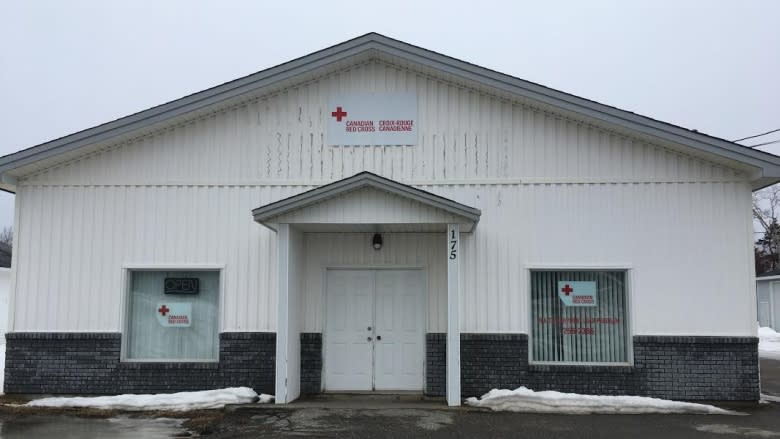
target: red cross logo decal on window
<point>163,310</point>
<point>338,114</point>
<point>566,290</point>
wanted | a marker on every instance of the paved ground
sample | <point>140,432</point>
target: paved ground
<point>367,417</point>
<point>770,377</point>
<point>395,423</point>
<point>73,427</point>
<point>354,418</point>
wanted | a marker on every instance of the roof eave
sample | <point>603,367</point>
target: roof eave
<point>7,183</point>
<point>186,104</point>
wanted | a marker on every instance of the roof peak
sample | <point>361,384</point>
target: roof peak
<point>768,165</point>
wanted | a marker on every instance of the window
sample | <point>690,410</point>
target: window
<point>173,315</point>
<point>579,317</point>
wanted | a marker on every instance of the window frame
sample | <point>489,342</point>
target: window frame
<point>126,280</point>
<point>629,274</point>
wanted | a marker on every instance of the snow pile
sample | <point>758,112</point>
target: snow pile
<point>768,343</point>
<point>182,401</point>
<point>765,399</point>
<point>526,400</point>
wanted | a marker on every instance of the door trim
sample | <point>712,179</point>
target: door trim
<point>324,317</point>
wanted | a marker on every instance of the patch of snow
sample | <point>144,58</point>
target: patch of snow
<point>265,398</point>
<point>768,343</point>
<point>182,401</point>
<point>769,398</point>
<point>526,400</point>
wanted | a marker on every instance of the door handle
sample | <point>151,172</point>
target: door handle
<point>369,328</point>
<point>378,337</point>
<point>368,338</point>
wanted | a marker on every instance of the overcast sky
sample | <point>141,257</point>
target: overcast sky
<point>709,65</point>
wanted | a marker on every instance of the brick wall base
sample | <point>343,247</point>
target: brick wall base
<point>311,363</point>
<point>436,364</point>
<point>683,368</point>
<point>89,363</point>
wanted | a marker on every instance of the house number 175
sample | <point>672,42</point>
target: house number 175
<point>453,246</point>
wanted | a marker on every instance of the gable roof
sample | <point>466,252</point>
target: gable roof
<point>767,165</point>
<point>266,214</point>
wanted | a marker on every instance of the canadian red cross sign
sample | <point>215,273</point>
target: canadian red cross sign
<point>577,293</point>
<point>174,314</point>
<point>372,119</point>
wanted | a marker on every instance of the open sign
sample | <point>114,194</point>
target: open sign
<point>181,285</point>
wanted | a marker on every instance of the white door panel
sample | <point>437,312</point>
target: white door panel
<point>399,348</point>
<point>348,352</point>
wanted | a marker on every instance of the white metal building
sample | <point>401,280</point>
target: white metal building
<point>768,300</point>
<point>377,216</point>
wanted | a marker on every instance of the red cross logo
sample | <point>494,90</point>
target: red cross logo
<point>163,310</point>
<point>338,114</point>
<point>566,290</point>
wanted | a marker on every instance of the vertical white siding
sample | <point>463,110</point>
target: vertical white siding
<point>553,192</point>
<point>78,239</point>
<point>686,246</point>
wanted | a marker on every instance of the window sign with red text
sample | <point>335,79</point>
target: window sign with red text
<point>372,119</point>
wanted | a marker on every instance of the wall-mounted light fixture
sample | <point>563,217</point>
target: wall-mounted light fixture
<point>376,241</point>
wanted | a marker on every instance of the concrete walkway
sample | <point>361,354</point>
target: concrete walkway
<point>356,401</point>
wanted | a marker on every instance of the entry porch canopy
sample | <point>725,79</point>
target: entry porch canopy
<point>365,202</point>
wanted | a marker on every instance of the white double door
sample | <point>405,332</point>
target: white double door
<point>374,330</point>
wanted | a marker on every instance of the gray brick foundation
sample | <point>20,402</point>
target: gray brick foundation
<point>704,368</point>
<point>311,363</point>
<point>89,363</point>
<point>436,364</point>
<point>683,368</point>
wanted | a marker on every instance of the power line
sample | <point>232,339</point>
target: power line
<point>757,135</point>
<point>762,144</point>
